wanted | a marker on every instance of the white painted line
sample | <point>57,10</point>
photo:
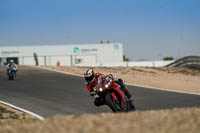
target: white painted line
<point>148,87</point>
<point>23,110</point>
<point>59,71</point>
<point>156,88</point>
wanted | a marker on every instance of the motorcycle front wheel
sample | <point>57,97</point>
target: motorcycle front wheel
<point>12,75</point>
<point>113,104</point>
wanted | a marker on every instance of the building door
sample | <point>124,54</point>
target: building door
<point>16,60</point>
<point>84,59</point>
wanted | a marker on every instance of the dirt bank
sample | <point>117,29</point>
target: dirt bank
<point>181,79</point>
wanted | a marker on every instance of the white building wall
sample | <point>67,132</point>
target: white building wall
<point>28,60</point>
<point>105,52</point>
<point>162,63</point>
<point>142,63</point>
<point>64,60</point>
<point>66,54</point>
<point>130,64</point>
<point>41,60</point>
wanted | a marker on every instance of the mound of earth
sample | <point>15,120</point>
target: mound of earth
<point>174,78</point>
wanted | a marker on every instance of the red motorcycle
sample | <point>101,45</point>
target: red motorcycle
<point>111,94</point>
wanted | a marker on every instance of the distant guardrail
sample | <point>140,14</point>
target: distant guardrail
<point>188,61</point>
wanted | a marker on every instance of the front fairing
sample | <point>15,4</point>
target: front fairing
<point>113,87</point>
<point>12,69</point>
<point>100,85</point>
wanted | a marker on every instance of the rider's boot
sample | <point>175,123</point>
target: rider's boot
<point>124,88</point>
<point>128,94</point>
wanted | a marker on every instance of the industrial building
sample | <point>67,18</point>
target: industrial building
<point>67,55</point>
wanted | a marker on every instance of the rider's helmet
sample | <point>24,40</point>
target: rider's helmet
<point>89,75</point>
<point>11,61</point>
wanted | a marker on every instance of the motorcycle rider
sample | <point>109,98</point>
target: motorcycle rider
<point>11,64</point>
<point>92,80</point>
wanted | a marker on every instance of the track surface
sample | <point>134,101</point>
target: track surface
<point>48,93</point>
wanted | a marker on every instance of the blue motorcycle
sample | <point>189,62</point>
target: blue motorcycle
<point>12,73</point>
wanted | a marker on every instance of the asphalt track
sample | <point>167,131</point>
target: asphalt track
<point>48,93</point>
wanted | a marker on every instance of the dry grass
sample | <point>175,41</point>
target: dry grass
<point>123,70</point>
<point>180,79</point>
<point>9,113</point>
<point>162,121</point>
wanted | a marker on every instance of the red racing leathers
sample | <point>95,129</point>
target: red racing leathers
<point>90,86</point>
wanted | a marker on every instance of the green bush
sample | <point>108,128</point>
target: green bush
<point>168,58</point>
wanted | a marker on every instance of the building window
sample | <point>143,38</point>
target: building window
<point>77,61</point>
<point>116,47</point>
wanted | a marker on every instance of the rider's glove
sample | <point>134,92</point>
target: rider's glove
<point>92,93</point>
<point>110,76</point>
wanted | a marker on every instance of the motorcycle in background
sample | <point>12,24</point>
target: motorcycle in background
<point>111,94</point>
<point>12,73</point>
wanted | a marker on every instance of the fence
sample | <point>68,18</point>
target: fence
<point>129,64</point>
<point>65,60</point>
<point>88,61</point>
<point>188,61</point>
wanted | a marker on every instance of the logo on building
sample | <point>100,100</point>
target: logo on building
<point>76,49</point>
<point>9,52</point>
<point>84,50</point>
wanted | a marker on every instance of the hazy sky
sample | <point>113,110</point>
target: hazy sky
<point>149,29</point>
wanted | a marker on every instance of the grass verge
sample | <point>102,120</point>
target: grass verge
<point>8,113</point>
<point>184,120</point>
